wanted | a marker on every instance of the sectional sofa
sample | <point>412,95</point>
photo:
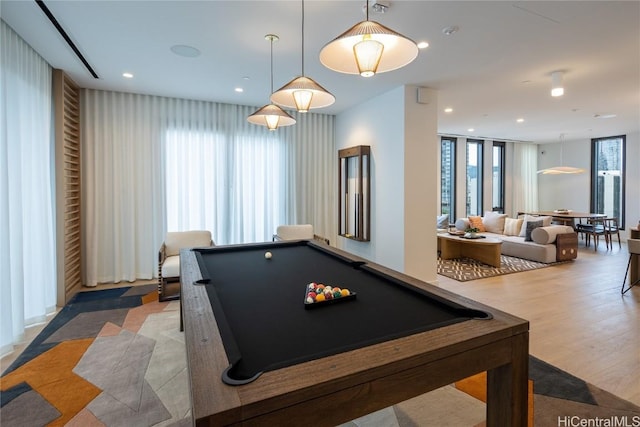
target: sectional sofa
<point>529,237</point>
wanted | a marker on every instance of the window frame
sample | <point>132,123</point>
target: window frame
<point>594,175</point>
<point>451,142</point>
<point>502,146</point>
<point>479,177</point>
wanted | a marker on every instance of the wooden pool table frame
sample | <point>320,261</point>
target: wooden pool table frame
<point>342,387</point>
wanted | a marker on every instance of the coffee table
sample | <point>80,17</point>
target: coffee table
<point>484,249</point>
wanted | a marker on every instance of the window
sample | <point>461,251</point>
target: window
<point>448,178</point>
<point>233,186</point>
<point>608,177</point>
<point>498,171</point>
<point>474,177</point>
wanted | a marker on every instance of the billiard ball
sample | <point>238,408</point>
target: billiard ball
<point>267,255</point>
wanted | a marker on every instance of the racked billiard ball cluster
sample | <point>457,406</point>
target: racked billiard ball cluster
<point>317,292</point>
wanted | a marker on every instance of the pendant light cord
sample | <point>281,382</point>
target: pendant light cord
<point>271,64</point>
<point>303,37</point>
<point>367,10</point>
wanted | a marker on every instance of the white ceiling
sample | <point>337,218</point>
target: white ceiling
<point>495,69</point>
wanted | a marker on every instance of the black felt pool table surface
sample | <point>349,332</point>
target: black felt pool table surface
<point>259,305</point>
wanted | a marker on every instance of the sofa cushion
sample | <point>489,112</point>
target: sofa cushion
<point>462,224</point>
<point>512,226</point>
<point>442,221</point>
<point>494,222</point>
<point>547,235</point>
<point>476,222</point>
<point>531,225</point>
<point>546,221</point>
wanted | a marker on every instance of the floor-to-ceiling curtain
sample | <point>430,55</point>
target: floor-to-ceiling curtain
<point>27,240</point>
<point>525,177</point>
<point>152,164</point>
<point>122,197</point>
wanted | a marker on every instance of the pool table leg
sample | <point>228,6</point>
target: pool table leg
<point>507,388</point>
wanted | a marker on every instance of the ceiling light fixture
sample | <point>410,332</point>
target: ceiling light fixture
<point>448,31</point>
<point>368,48</point>
<point>557,89</point>
<point>271,115</point>
<point>561,170</point>
<point>302,93</point>
<point>127,75</point>
<point>185,51</point>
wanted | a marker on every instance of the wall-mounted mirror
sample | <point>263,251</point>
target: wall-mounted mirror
<point>354,204</point>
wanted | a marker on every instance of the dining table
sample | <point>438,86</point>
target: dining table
<point>566,217</point>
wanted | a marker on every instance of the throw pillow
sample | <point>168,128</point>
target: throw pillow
<point>546,221</point>
<point>531,225</point>
<point>476,222</point>
<point>494,222</point>
<point>442,221</point>
<point>512,226</point>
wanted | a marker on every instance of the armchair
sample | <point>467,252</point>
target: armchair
<point>169,259</point>
<point>297,232</point>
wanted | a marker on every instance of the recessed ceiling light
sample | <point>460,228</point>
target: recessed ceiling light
<point>448,110</point>
<point>423,45</point>
<point>604,116</point>
<point>447,31</point>
<point>520,120</point>
<point>470,130</point>
<point>127,75</point>
<point>239,90</point>
<point>184,50</point>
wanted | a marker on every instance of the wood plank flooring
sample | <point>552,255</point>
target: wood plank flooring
<point>579,322</point>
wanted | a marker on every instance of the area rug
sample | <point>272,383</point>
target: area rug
<point>116,358</point>
<point>464,269</point>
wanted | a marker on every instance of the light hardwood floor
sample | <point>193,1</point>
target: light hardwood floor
<point>579,322</point>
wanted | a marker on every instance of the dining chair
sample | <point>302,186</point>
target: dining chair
<point>594,227</point>
<point>611,228</point>
<point>634,249</point>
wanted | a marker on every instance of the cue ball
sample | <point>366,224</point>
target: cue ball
<point>267,255</point>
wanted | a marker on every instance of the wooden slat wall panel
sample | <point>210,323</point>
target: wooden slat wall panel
<point>67,124</point>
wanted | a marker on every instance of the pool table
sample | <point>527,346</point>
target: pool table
<point>258,354</point>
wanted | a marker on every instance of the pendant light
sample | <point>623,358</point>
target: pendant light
<point>561,170</point>
<point>368,48</point>
<point>302,93</point>
<point>271,115</point>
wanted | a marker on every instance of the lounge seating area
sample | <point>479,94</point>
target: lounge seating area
<point>529,237</point>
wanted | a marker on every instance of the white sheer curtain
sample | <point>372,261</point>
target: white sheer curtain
<point>525,177</point>
<point>27,240</point>
<point>152,164</point>
<point>122,197</point>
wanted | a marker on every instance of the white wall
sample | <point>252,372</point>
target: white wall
<point>573,191</point>
<point>404,145</point>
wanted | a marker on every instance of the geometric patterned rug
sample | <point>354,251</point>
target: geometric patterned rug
<point>464,269</point>
<point>109,358</point>
<point>117,358</point>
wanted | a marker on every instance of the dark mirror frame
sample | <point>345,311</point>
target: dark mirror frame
<point>354,189</point>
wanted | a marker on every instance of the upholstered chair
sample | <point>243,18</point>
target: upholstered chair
<point>169,259</point>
